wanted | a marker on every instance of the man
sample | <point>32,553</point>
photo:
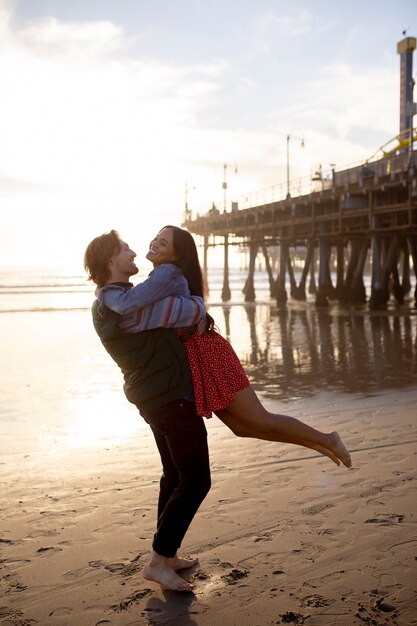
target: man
<point>157,379</point>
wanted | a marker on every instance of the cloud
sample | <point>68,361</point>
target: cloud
<point>92,129</point>
<point>345,112</point>
<point>78,111</point>
<point>92,135</point>
<point>50,37</point>
<point>274,30</point>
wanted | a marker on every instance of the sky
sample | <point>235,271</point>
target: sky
<point>114,113</point>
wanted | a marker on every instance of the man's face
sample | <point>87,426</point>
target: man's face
<point>122,265</point>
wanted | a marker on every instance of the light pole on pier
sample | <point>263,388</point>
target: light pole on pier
<point>187,210</point>
<point>225,185</point>
<point>288,156</point>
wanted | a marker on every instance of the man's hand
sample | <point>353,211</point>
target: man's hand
<point>202,326</point>
<point>206,325</point>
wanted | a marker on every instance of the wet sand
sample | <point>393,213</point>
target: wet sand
<point>284,536</point>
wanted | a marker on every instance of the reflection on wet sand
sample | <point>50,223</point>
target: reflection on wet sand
<point>297,351</point>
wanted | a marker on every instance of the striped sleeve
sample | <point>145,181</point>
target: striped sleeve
<point>170,312</point>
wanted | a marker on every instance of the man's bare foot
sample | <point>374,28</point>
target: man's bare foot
<point>165,576</point>
<point>177,563</point>
<point>338,448</point>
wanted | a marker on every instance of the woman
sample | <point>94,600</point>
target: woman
<point>224,390</point>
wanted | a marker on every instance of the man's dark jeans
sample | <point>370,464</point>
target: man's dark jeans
<point>181,437</point>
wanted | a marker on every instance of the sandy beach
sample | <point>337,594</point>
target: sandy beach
<point>284,536</point>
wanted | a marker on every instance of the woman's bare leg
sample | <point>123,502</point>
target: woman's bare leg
<point>240,429</point>
<point>247,409</point>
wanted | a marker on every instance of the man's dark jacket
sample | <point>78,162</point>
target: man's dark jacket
<point>153,362</point>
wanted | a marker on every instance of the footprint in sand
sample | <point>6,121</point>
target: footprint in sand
<point>209,584</point>
<point>42,533</point>
<point>109,528</point>
<point>15,561</point>
<point>289,617</point>
<point>10,616</point>
<point>316,600</point>
<point>265,537</point>
<point>321,581</point>
<point>317,508</point>
<point>132,568</point>
<point>10,542</point>
<point>13,583</point>
<point>115,567</point>
<point>375,490</point>
<point>134,598</point>
<point>206,584</point>
<point>48,549</point>
<point>78,573</point>
<point>96,564</point>
<point>61,611</point>
<point>326,531</point>
<point>234,576</point>
<point>386,519</point>
<point>69,512</point>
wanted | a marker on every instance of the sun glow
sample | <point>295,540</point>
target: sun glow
<point>102,418</point>
<point>106,141</point>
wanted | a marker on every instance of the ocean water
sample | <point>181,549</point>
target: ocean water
<point>43,290</point>
<point>46,290</point>
<point>328,344</point>
<point>37,290</point>
<point>60,389</point>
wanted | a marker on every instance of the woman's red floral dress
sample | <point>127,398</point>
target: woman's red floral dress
<point>216,371</point>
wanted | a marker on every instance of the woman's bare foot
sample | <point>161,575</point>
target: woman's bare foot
<point>338,448</point>
<point>159,571</point>
<point>176,563</point>
<point>325,452</point>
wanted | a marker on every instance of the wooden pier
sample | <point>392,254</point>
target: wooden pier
<point>364,216</point>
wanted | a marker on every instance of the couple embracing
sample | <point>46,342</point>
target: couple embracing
<point>178,370</point>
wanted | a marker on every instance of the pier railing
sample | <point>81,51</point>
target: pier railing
<point>356,174</point>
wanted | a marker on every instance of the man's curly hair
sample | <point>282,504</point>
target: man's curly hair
<point>98,255</point>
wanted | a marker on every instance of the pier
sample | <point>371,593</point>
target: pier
<point>360,217</point>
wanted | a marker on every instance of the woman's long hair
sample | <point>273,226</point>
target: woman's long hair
<point>188,261</point>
